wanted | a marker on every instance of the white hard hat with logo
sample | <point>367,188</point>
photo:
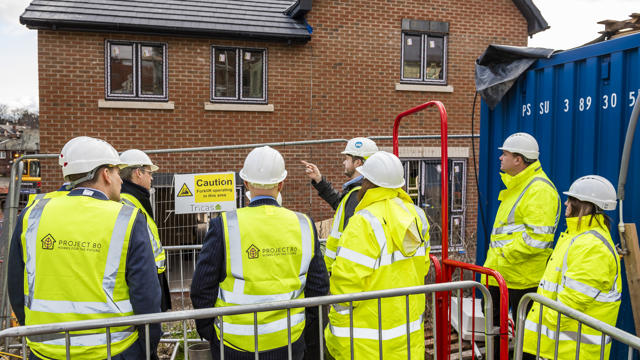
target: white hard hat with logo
<point>85,155</point>
<point>361,147</point>
<point>522,143</point>
<point>263,165</point>
<point>135,157</point>
<point>594,189</point>
<point>383,169</point>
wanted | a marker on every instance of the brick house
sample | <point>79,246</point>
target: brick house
<point>170,74</point>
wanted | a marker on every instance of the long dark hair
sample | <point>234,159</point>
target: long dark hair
<point>582,208</point>
<point>366,185</point>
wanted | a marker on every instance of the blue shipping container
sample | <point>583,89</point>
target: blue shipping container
<point>577,105</point>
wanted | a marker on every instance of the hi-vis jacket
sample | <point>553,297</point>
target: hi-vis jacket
<point>336,229</point>
<point>584,274</point>
<point>263,265</point>
<point>385,245</point>
<point>522,235</point>
<point>56,249</point>
<point>154,236</point>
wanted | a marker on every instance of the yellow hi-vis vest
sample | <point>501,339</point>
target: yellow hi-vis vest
<point>50,195</point>
<point>522,235</point>
<point>268,252</point>
<point>336,230</point>
<point>584,274</point>
<point>152,228</point>
<point>385,246</point>
<point>75,270</point>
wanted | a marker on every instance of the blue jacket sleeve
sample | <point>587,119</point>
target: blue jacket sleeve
<point>210,271</point>
<point>15,273</point>
<point>142,278</point>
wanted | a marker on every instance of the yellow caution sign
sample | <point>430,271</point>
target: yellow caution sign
<point>184,191</point>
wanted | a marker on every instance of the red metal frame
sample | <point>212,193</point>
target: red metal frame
<point>444,272</point>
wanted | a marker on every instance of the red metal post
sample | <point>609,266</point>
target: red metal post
<point>443,298</point>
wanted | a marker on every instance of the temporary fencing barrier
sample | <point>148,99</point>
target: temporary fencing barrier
<point>607,330</point>
<point>319,302</point>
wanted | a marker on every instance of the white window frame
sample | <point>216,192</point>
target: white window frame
<point>137,72</point>
<point>423,58</point>
<point>239,59</point>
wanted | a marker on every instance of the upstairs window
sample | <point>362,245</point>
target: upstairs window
<point>424,52</point>
<point>239,75</point>
<point>136,71</point>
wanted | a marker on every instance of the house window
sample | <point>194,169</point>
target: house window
<point>136,71</point>
<point>239,75</point>
<point>3,154</point>
<point>423,186</point>
<point>424,52</point>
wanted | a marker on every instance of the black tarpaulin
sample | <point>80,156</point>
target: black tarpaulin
<point>500,66</point>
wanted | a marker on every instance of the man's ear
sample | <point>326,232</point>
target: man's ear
<point>104,175</point>
<point>280,186</point>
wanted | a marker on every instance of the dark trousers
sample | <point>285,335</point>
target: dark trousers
<point>515,295</point>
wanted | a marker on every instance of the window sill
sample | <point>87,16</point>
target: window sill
<point>150,105</point>
<point>424,88</point>
<point>239,107</point>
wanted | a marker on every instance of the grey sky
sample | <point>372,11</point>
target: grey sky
<point>573,22</point>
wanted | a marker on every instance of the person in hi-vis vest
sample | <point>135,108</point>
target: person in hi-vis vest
<point>256,254</point>
<point>136,191</point>
<point>583,273</point>
<point>355,153</point>
<point>84,256</point>
<point>525,224</point>
<point>385,246</point>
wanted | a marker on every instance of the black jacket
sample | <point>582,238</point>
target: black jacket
<point>333,197</point>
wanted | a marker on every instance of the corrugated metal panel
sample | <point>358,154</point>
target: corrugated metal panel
<point>577,104</point>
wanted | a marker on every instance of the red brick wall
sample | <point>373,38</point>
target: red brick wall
<point>341,84</point>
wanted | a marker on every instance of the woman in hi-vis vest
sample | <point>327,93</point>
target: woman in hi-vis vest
<point>583,273</point>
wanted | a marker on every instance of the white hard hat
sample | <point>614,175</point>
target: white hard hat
<point>361,147</point>
<point>594,189</point>
<point>383,169</point>
<point>63,153</point>
<point>522,143</point>
<point>87,154</point>
<point>135,157</point>
<point>263,165</point>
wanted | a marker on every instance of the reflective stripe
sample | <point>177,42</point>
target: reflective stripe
<point>109,278</point>
<point>550,286</point>
<point>383,260</point>
<point>237,296</point>
<point>511,226</point>
<point>235,250</point>
<point>510,229</point>
<point>337,219</point>
<point>268,328</point>
<point>30,236</point>
<point>536,243</point>
<point>83,339</point>
<point>341,309</point>
<point>499,243</point>
<point>330,254</point>
<point>566,335</point>
<point>373,334</point>
<point>81,307</point>
<point>423,218</point>
<point>155,243</point>
<point>613,295</point>
<point>377,228</point>
<point>39,197</point>
<point>356,257</point>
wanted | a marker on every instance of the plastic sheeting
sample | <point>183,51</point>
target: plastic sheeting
<point>500,66</point>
